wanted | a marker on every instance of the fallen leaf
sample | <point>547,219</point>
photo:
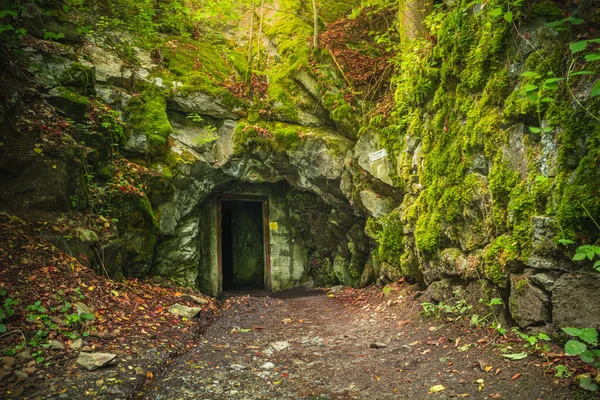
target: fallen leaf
<point>516,376</point>
<point>437,388</point>
<point>496,396</point>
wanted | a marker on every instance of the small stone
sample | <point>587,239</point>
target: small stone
<point>268,351</point>
<point>82,309</point>
<point>237,367</point>
<point>405,349</point>
<point>378,345</point>
<point>335,289</point>
<point>185,311</point>
<point>92,361</point>
<point>25,355</point>
<point>103,335</point>
<point>196,299</point>
<point>278,346</point>
<point>77,344</point>
<point>87,349</point>
<point>56,345</point>
<point>267,366</point>
<point>9,362</point>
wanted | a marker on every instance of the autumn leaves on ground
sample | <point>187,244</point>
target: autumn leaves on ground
<point>71,333</point>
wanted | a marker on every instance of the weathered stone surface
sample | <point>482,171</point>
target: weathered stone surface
<point>93,361</point>
<point>545,253</point>
<point>137,144</point>
<point>545,280</point>
<point>375,204</point>
<point>35,182</point>
<point>56,345</point>
<point>184,311</point>
<point>573,300</point>
<point>202,103</point>
<point>108,67</point>
<point>178,255</point>
<point>365,146</point>
<point>515,152</point>
<point>81,308</point>
<point>452,263</point>
<point>528,304</point>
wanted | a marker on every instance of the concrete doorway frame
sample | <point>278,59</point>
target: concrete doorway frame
<point>266,227</point>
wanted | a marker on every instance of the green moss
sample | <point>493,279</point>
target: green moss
<point>73,97</point>
<point>266,136</point>
<point>547,8</point>
<point>391,238</point>
<point>522,284</point>
<point>78,76</point>
<point>148,114</point>
<point>500,256</point>
<point>202,65</point>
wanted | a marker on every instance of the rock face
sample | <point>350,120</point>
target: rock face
<point>571,305</point>
<point>529,304</point>
<point>456,191</point>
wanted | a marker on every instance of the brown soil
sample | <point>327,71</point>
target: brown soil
<point>330,354</point>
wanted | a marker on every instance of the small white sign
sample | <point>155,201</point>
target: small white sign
<point>378,155</point>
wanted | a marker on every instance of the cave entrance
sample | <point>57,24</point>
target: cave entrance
<point>243,255</point>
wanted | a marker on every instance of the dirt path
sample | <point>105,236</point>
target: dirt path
<point>353,346</point>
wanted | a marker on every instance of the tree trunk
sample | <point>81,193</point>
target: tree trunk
<point>249,60</point>
<point>315,25</point>
<point>262,8</point>
<point>412,15</point>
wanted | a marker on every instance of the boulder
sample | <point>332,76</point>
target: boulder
<point>574,300</point>
<point>528,304</point>
<point>93,361</point>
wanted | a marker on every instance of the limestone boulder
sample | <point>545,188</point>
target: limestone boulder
<point>574,302</point>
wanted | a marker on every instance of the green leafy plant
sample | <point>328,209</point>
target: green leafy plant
<point>451,307</point>
<point>490,317</point>
<point>6,310</point>
<point>76,319</point>
<point>585,346</point>
<point>534,343</point>
<point>561,371</point>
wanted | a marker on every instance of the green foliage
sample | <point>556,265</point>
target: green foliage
<point>6,309</point>
<point>586,347</point>
<point>454,308</point>
<point>589,252</point>
<point>534,343</point>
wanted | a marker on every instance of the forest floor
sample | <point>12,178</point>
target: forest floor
<point>297,344</point>
<point>354,344</point>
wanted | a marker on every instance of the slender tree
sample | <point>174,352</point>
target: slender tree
<point>315,25</point>
<point>412,16</point>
